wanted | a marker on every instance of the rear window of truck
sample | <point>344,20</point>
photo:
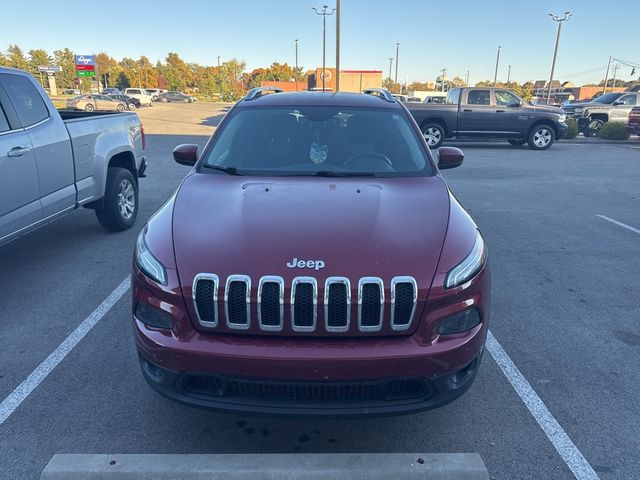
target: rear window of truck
<point>25,98</point>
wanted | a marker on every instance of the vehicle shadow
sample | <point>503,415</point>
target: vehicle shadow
<point>214,120</point>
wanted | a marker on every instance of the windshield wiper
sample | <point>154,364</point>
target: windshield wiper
<point>227,170</point>
<point>328,173</point>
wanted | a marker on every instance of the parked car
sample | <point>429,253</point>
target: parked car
<point>175,97</point>
<point>141,94</point>
<point>413,100</point>
<point>481,112</point>
<point>52,162</point>
<point>71,91</point>
<point>111,91</point>
<point>575,109</point>
<point>94,101</point>
<point>154,92</point>
<point>596,114</point>
<point>132,103</point>
<point>634,120</point>
<point>317,306</point>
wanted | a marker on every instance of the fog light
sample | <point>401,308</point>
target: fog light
<point>153,317</point>
<point>460,322</point>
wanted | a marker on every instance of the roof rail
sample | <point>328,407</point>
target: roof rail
<point>259,91</point>
<point>381,92</point>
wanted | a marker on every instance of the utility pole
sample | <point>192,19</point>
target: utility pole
<point>337,45</point>
<point>324,14</point>
<point>295,77</point>
<point>615,68</point>
<point>495,75</point>
<point>443,75</point>
<point>559,20</point>
<point>466,79</point>
<point>390,63</point>
<point>606,77</point>
<point>397,51</point>
<point>509,76</point>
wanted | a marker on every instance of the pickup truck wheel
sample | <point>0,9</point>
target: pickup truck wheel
<point>88,107</point>
<point>433,134</point>
<point>593,128</point>
<point>541,137</point>
<point>517,142</point>
<point>120,200</point>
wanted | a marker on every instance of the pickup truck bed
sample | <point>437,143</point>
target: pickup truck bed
<point>53,162</point>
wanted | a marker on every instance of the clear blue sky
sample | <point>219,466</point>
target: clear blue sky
<point>460,36</point>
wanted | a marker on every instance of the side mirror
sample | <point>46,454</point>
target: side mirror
<point>616,103</point>
<point>186,154</point>
<point>449,157</point>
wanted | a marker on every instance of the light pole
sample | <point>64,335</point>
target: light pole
<point>390,63</point>
<point>495,75</point>
<point>295,77</point>
<point>397,50</point>
<point>337,45</point>
<point>509,76</point>
<point>559,20</point>
<point>324,14</point>
<point>466,80</point>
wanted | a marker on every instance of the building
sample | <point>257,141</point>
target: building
<point>350,80</point>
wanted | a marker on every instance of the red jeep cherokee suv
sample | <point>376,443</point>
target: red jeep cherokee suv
<point>312,262</point>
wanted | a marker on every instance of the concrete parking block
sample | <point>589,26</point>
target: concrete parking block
<point>370,466</point>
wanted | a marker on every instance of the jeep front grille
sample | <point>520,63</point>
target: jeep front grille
<point>303,308</point>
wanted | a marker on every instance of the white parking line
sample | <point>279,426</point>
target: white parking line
<point>623,225</point>
<point>15,398</point>
<point>576,462</point>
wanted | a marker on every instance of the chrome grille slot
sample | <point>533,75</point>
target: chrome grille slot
<point>237,302</point>
<point>404,296</point>
<point>337,304</point>
<point>304,301</point>
<point>370,304</point>
<point>204,292</point>
<point>271,303</point>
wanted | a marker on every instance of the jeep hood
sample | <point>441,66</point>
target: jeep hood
<point>357,226</point>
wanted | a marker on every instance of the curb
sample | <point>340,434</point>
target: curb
<point>315,466</point>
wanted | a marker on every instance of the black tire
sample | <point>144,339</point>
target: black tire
<point>132,106</point>
<point>120,200</point>
<point>120,107</point>
<point>541,137</point>
<point>89,107</point>
<point>165,99</point>
<point>593,127</point>
<point>433,134</point>
<point>517,142</point>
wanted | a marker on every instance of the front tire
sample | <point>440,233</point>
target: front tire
<point>433,134</point>
<point>541,137</point>
<point>593,127</point>
<point>164,100</point>
<point>132,106</point>
<point>120,107</point>
<point>517,142</point>
<point>89,107</point>
<point>120,200</point>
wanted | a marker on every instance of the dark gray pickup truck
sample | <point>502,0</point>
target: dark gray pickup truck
<point>482,112</point>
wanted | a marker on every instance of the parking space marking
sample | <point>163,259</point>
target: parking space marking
<point>623,225</point>
<point>576,462</point>
<point>15,398</point>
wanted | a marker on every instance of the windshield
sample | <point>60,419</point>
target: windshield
<point>608,98</point>
<point>328,141</point>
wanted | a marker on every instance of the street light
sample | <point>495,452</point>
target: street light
<point>390,63</point>
<point>324,14</point>
<point>397,50</point>
<point>495,76</point>
<point>559,20</point>
<point>295,76</point>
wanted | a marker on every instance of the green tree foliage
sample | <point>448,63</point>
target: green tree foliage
<point>177,72</point>
<point>67,60</point>
<point>456,82</point>
<point>614,131</point>
<point>572,130</point>
<point>107,68</point>
<point>17,58</point>
<point>38,58</point>
<point>276,72</point>
<point>421,86</point>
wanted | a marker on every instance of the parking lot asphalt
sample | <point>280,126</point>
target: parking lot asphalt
<point>565,309</point>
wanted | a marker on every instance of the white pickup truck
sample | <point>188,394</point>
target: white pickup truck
<point>54,162</point>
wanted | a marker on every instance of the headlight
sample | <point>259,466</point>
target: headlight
<point>146,262</point>
<point>562,118</point>
<point>470,266</point>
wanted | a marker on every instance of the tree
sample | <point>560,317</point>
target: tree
<point>107,67</point>
<point>421,86</point>
<point>276,72</point>
<point>392,86</point>
<point>39,58</point>
<point>456,82</point>
<point>16,58</point>
<point>177,72</point>
<point>67,60</point>
<point>484,83</point>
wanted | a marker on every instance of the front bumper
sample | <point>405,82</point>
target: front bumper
<point>357,398</point>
